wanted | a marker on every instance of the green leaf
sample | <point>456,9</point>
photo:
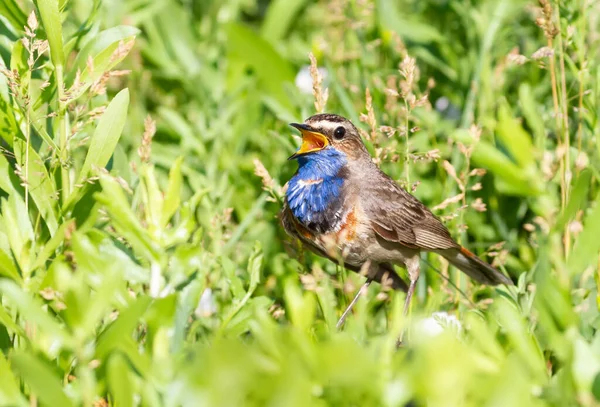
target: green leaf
<point>510,179</point>
<point>254,267</point>
<point>42,381</point>
<point>586,363</point>
<point>101,50</point>
<point>577,199</point>
<point>153,198</point>
<point>59,277</point>
<point>32,311</point>
<point>243,319</point>
<point>109,281</point>
<point>514,138</point>
<point>18,63</point>
<point>390,18</point>
<point>124,220</point>
<point>172,198</point>
<point>6,176</point>
<point>423,54</point>
<point>523,342</point>
<point>182,128</point>
<point>8,322</point>
<point>596,387</point>
<point>9,128</point>
<point>246,48</point>
<point>99,44</point>
<point>50,14</point>
<point>8,267</point>
<point>122,327</point>
<point>179,39</point>
<point>40,128</point>
<point>9,390</point>
<point>587,246</point>
<point>41,188</point>
<point>161,312</point>
<point>280,15</point>
<point>300,307</point>
<point>141,362</point>
<point>84,208</point>
<point>530,111</point>
<point>119,382</point>
<point>106,136</point>
<point>18,229</point>
<point>188,301</point>
<point>51,246</point>
<point>10,10</point>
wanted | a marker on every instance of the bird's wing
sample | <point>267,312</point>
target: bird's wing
<point>399,217</point>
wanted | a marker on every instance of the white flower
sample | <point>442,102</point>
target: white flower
<point>206,306</point>
<point>442,104</point>
<point>396,393</point>
<point>437,323</point>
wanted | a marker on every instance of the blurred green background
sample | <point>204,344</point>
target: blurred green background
<point>144,159</point>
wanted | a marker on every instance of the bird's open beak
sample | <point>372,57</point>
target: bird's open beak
<point>311,140</point>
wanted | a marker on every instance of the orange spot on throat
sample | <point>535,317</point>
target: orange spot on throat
<point>302,230</point>
<point>348,229</point>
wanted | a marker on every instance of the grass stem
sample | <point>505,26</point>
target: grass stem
<point>63,131</point>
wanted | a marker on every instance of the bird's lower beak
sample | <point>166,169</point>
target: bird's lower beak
<point>311,140</point>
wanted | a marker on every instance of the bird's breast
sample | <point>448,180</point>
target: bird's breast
<point>316,203</point>
<point>345,240</point>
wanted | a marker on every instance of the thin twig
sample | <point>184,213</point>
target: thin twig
<point>565,128</point>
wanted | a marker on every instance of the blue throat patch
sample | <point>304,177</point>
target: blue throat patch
<point>314,192</point>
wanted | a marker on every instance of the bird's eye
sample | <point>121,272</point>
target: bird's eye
<point>339,133</point>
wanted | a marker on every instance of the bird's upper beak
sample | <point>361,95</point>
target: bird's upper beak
<point>312,140</point>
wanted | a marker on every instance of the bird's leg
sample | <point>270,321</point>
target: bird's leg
<point>351,305</point>
<point>414,269</point>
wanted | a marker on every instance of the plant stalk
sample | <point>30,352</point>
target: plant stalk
<point>63,132</point>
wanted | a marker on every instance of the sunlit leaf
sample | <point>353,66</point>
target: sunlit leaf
<point>280,15</point>
<point>18,228</point>
<point>106,136</point>
<point>247,48</point>
<point>124,220</point>
<point>510,178</point>
<point>51,20</point>
<point>32,311</point>
<point>391,18</point>
<point>40,378</point>
<point>41,188</point>
<point>9,390</point>
<point>173,195</point>
<point>577,199</point>
<point>14,14</point>
<point>122,328</point>
<point>120,386</point>
<point>515,138</point>
<point>53,244</point>
<point>586,249</point>
<point>100,55</point>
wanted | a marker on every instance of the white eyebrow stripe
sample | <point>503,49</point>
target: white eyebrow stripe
<point>325,125</point>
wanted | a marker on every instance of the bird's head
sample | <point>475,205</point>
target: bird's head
<point>329,134</point>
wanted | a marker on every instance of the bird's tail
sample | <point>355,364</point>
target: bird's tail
<point>474,267</point>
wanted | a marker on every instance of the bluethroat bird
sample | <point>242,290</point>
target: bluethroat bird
<point>341,206</point>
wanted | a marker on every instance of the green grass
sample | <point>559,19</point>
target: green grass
<point>144,153</point>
